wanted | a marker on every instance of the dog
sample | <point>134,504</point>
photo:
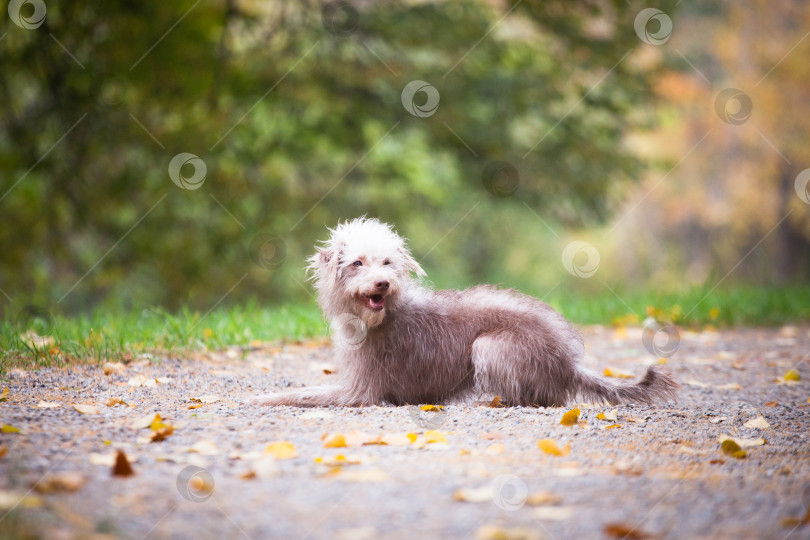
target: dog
<point>399,342</point>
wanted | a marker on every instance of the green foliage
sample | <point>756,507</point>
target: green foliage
<point>298,127</point>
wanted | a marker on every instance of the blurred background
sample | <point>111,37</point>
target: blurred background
<point>191,153</point>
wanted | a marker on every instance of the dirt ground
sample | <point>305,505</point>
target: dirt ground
<point>465,471</point>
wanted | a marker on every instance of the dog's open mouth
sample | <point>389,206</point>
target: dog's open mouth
<point>374,302</point>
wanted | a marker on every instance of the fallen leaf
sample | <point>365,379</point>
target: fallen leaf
<point>433,436</point>
<point>85,409</point>
<point>142,381</point>
<point>539,498</point>
<point>204,448</point>
<point>431,408</point>
<point>122,466</point>
<point>335,440</point>
<point>35,341</point>
<point>371,476</point>
<point>729,386</point>
<point>495,449</point>
<point>623,530</point>
<point>718,419</point>
<point>774,403</point>
<point>612,426</point>
<point>608,415</point>
<point>474,495</point>
<point>206,400</point>
<point>158,424</point>
<point>757,423</point>
<point>9,429</point>
<point>395,439</point>
<point>553,513</point>
<point>70,481</point>
<point>731,448</point>
<point>3,450</point>
<point>496,402</point>
<point>144,421</point>
<point>281,450</point>
<point>161,433</point>
<point>48,405</point>
<point>792,375</point>
<point>338,461</point>
<point>496,532</point>
<point>570,418</point>
<point>744,443</point>
<point>113,368</point>
<point>550,446</point>
<point>618,373</point>
<point>697,384</point>
<point>113,401</point>
<point>4,395</point>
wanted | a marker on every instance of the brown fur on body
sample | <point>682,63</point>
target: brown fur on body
<point>415,345</point>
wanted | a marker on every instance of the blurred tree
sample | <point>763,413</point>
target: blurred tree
<point>295,108</point>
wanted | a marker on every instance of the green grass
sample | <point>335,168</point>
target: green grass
<point>103,335</point>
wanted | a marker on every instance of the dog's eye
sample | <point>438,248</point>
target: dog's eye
<point>386,262</point>
<point>357,263</point>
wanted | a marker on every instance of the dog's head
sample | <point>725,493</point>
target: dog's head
<point>362,270</point>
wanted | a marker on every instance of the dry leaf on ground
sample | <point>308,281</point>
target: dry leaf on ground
<point>570,418</point>
<point>122,466</point>
<point>48,404</point>
<point>281,450</point>
<point>731,448</point>
<point>611,416</point>
<point>550,446</point>
<point>757,423</point>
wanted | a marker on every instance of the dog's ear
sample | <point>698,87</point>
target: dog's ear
<point>323,264</point>
<point>411,264</point>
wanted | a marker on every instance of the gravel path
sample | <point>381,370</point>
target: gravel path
<point>659,473</point>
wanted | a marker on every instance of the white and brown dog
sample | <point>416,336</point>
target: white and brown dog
<point>401,343</point>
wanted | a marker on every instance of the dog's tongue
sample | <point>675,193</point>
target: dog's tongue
<point>375,301</point>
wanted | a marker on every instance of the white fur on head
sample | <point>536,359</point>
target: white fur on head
<point>383,256</point>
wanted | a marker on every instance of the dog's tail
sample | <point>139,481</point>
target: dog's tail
<point>657,385</point>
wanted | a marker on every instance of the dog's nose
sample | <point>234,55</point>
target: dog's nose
<point>381,285</point>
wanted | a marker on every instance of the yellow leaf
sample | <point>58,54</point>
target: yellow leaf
<point>743,443</point>
<point>433,436</point>
<point>570,418</point>
<point>9,429</point>
<point>113,401</point>
<point>144,421</point>
<point>792,375</point>
<point>413,437</point>
<point>732,449</point>
<point>757,423</point>
<point>433,408</point>
<point>610,416</point>
<point>4,395</point>
<point>613,372</point>
<point>281,450</point>
<point>550,446</point>
<point>335,440</point>
<point>613,426</point>
<point>158,424</point>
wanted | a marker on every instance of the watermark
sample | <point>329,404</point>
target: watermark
<point>349,331</point>
<point>428,416</point>
<point>580,259</point>
<point>108,91</point>
<point>509,492</point>
<point>195,484</point>
<point>180,171</point>
<point>802,185</point>
<point>500,179</point>
<point>733,106</point>
<point>339,18</point>
<point>661,340</point>
<point>32,315</point>
<point>268,251</point>
<point>653,26</point>
<point>428,108</point>
<point>28,14</point>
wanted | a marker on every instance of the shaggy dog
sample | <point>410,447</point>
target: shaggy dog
<point>401,343</point>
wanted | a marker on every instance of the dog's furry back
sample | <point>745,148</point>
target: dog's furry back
<point>417,345</point>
